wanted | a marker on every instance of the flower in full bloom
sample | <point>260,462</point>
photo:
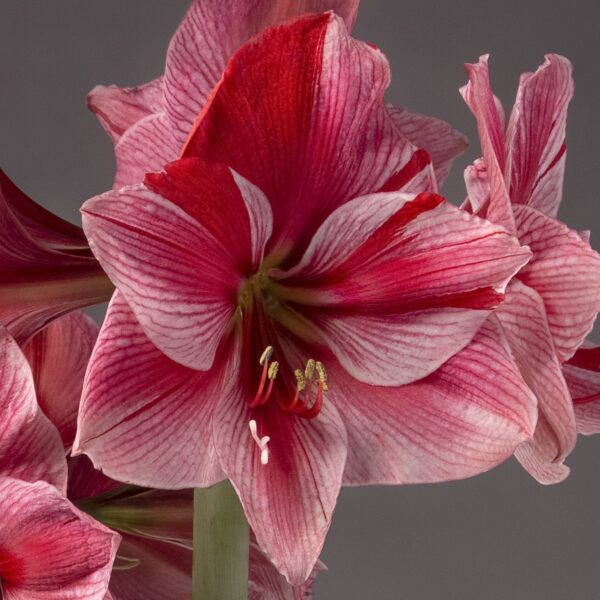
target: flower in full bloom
<point>49,550</point>
<point>281,289</point>
<point>553,302</point>
<point>150,123</point>
<point>46,266</point>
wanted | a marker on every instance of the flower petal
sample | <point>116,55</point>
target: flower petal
<point>536,135</point>
<point>463,419</point>
<point>50,550</point>
<point>289,501</point>
<point>144,148</point>
<point>58,356</point>
<point>480,99</point>
<point>118,108</point>
<point>524,321</point>
<point>582,374</point>
<point>30,447</point>
<point>565,272</point>
<point>46,266</point>
<point>441,141</point>
<point>402,282</point>
<point>211,32</point>
<point>132,392</point>
<point>317,135</point>
<point>179,258</point>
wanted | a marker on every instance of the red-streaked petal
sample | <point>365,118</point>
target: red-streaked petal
<point>535,136</point>
<point>565,272</point>
<point>318,134</point>
<point>441,141</point>
<point>144,148</point>
<point>289,501</point>
<point>524,321</point>
<point>582,374</point>
<point>30,447</point>
<point>50,550</point>
<point>211,32</point>
<point>463,419</point>
<point>58,356</point>
<point>480,99</point>
<point>266,583</point>
<point>398,285</point>
<point>118,108</point>
<point>46,266</point>
<point>179,258</point>
<point>145,419</point>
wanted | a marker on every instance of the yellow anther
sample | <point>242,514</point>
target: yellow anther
<point>300,379</point>
<point>310,368</point>
<point>322,375</point>
<point>273,369</point>
<point>266,355</point>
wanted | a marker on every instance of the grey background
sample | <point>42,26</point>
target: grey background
<point>494,537</point>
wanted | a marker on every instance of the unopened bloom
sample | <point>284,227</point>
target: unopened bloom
<point>149,124</point>
<point>554,300</point>
<point>46,267</point>
<point>278,288</point>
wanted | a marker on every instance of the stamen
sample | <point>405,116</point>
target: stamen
<point>261,442</point>
<point>269,372</point>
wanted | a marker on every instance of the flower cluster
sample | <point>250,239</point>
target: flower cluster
<point>294,307</point>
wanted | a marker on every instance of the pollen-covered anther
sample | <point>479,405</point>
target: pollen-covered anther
<point>261,442</point>
<point>304,385</point>
<point>269,372</point>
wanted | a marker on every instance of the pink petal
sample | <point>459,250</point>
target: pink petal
<point>266,583</point>
<point>565,272</point>
<point>141,413</point>
<point>582,374</point>
<point>289,501</point>
<point>318,134</point>
<point>30,447</point>
<point>441,141</point>
<point>58,356</point>
<point>179,258</point>
<point>536,135</point>
<point>524,321</point>
<point>50,550</point>
<point>46,267</point>
<point>463,419</point>
<point>118,108</point>
<point>211,32</point>
<point>402,282</point>
<point>480,99</point>
<point>144,148</point>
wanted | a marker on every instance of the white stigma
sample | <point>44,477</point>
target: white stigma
<point>261,442</point>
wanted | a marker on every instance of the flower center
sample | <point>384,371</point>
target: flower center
<point>302,402</point>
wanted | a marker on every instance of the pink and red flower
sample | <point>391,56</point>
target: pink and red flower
<point>552,304</point>
<point>283,286</point>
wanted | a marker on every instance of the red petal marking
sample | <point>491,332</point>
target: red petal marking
<point>317,135</point>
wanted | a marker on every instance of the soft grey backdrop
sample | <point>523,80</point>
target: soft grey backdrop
<point>495,537</point>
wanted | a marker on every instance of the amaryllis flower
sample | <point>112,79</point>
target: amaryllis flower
<point>272,305</point>
<point>552,305</point>
<point>46,266</point>
<point>49,550</point>
<point>150,123</point>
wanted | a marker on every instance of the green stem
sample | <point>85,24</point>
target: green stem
<point>221,545</point>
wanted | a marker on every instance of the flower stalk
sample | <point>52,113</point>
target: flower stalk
<point>221,543</point>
